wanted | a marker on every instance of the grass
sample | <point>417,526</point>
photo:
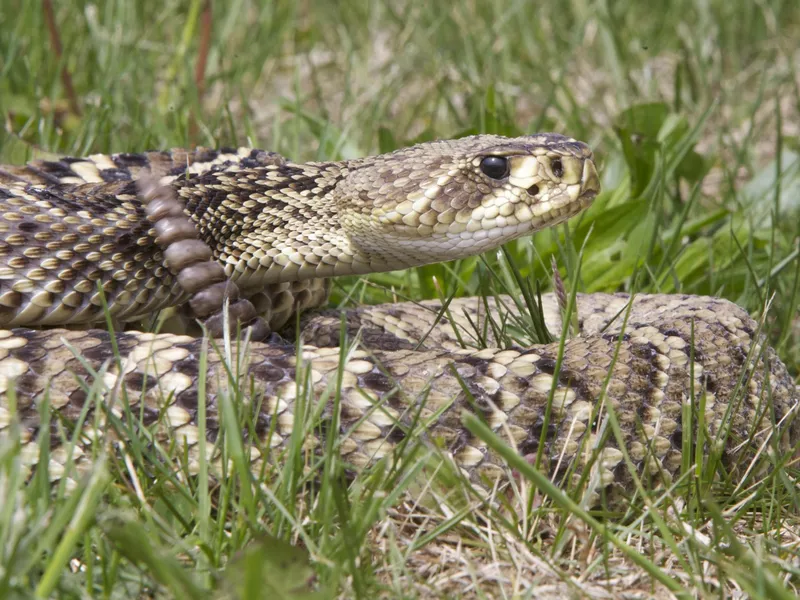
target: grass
<point>693,110</point>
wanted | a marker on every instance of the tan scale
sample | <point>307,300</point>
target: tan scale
<point>279,229</point>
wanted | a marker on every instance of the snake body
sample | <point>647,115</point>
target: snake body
<point>279,229</point>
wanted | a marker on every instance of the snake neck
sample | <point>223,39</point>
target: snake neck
<point>275,224</point>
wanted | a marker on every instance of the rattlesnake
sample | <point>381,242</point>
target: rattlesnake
<point>280,229</point>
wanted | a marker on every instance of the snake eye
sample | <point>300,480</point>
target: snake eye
<point>558,168</point>
<point>495,167</point>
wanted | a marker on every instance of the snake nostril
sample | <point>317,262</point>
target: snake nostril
<point>558,168</point>
<point>533,190</point>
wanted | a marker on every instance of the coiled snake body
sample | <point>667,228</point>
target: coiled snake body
<point>279,229</point>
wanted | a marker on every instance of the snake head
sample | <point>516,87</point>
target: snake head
<point>452,199</point>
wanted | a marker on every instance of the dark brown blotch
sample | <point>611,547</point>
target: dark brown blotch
<point>269,373</point>
<point>77,399</point>
<point>646,352</point>
<point>187,399</point>
<point>480,364</point>
<point>676,439</point>
<point>27,384</point>
<point>148,415</point>
<point>98,353</point>
<point>546,365</point>
<point>111,175</point>
<point>262,425</point>
<point>126,159</point>
<point>59,169</point>
<point>190,368</point>
<point>377,381</point>
<point>396,435</point>
<point>29,353</point>
<point>139,382</point>
<point>531,443</point>
<point>28,226</point>
<point>615,337</point>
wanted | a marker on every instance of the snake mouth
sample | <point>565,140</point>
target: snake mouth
<point>590,181</point>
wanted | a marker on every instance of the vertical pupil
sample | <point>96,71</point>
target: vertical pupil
<point>558,168</point>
